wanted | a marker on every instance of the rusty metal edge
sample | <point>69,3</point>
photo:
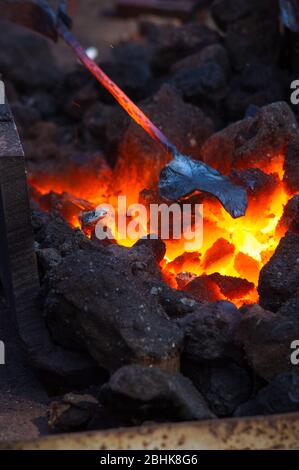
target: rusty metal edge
<point>256,433</point>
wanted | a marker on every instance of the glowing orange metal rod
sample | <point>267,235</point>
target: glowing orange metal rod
<point>139,117</point>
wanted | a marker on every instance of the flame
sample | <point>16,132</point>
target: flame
<point>231,247</point>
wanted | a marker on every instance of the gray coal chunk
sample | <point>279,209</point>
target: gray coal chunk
<point>291,165</point>
<point>223,387</point>
<point>252,142</point>
<point>279,278</point>
<point>47,259</point>
<point>245,39</point>
<point>72,413</point>
<point>176,303</point>
<point>38,70</point>
<point>52,231</point>
<point>226,12</point>
<point>291,307</point>
<point>210,333</point>
<point>255,181</point>
<point>172,42</point>
<point>266,338</point>
<point>100,302</point>
<point>183,176</point>
<point>157,246</point>
<point>290,216</point>
<point>281,395</point>
<point>207,287</point>
<point>163,392</point>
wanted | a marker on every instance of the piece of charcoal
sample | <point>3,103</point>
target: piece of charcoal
<point>257,85</point>
<point>224,387</point>
<point>266,338</point>
<point>184,278</point>
<point>208,81</point>
<point>96,119</point>
<point>255,181</point>
<point>279,396</point>
<point>172,42</point>
<point>72,413</point>
<point>101,302</point>
<point>150,196</point>
<point>52,231</point>
<point>154,394</point>
<point>219,251</point>
<point>45,103</point>
<point>227,11</point>
<point>232,287</point>
<point>157,246</point>
<point>131,51</point>
<point>291,307</point>
<point>214,53</point>
<point>78,102</point>
<point>279,278</point>
<point>290,217</point>
<point>129,67</point>
<point>252,142</point>
<point>47,259</point>
<point>38,68</point>
<point>211,287</point>
<point>203,289</point>
<point>185,261</point>
<point>210,333</point>
<point>105,126</point>
<point>291,165</point>
<point>175,302</point>
<point>247,267</point>
<point>245,38</point>
<point>251,110</point>
<point>25,117</point>
<point>43,141</point>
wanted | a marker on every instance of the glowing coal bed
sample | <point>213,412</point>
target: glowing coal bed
<point>232,248</point>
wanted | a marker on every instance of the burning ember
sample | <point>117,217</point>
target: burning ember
<point>234,248</point>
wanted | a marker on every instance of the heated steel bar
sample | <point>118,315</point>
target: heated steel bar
<point>136,114</point>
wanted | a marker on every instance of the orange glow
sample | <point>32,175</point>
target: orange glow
<point>231,247</point>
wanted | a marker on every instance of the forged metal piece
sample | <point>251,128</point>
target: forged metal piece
<point>182,176</point>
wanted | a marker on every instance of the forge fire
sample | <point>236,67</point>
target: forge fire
<point>233,251</point>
